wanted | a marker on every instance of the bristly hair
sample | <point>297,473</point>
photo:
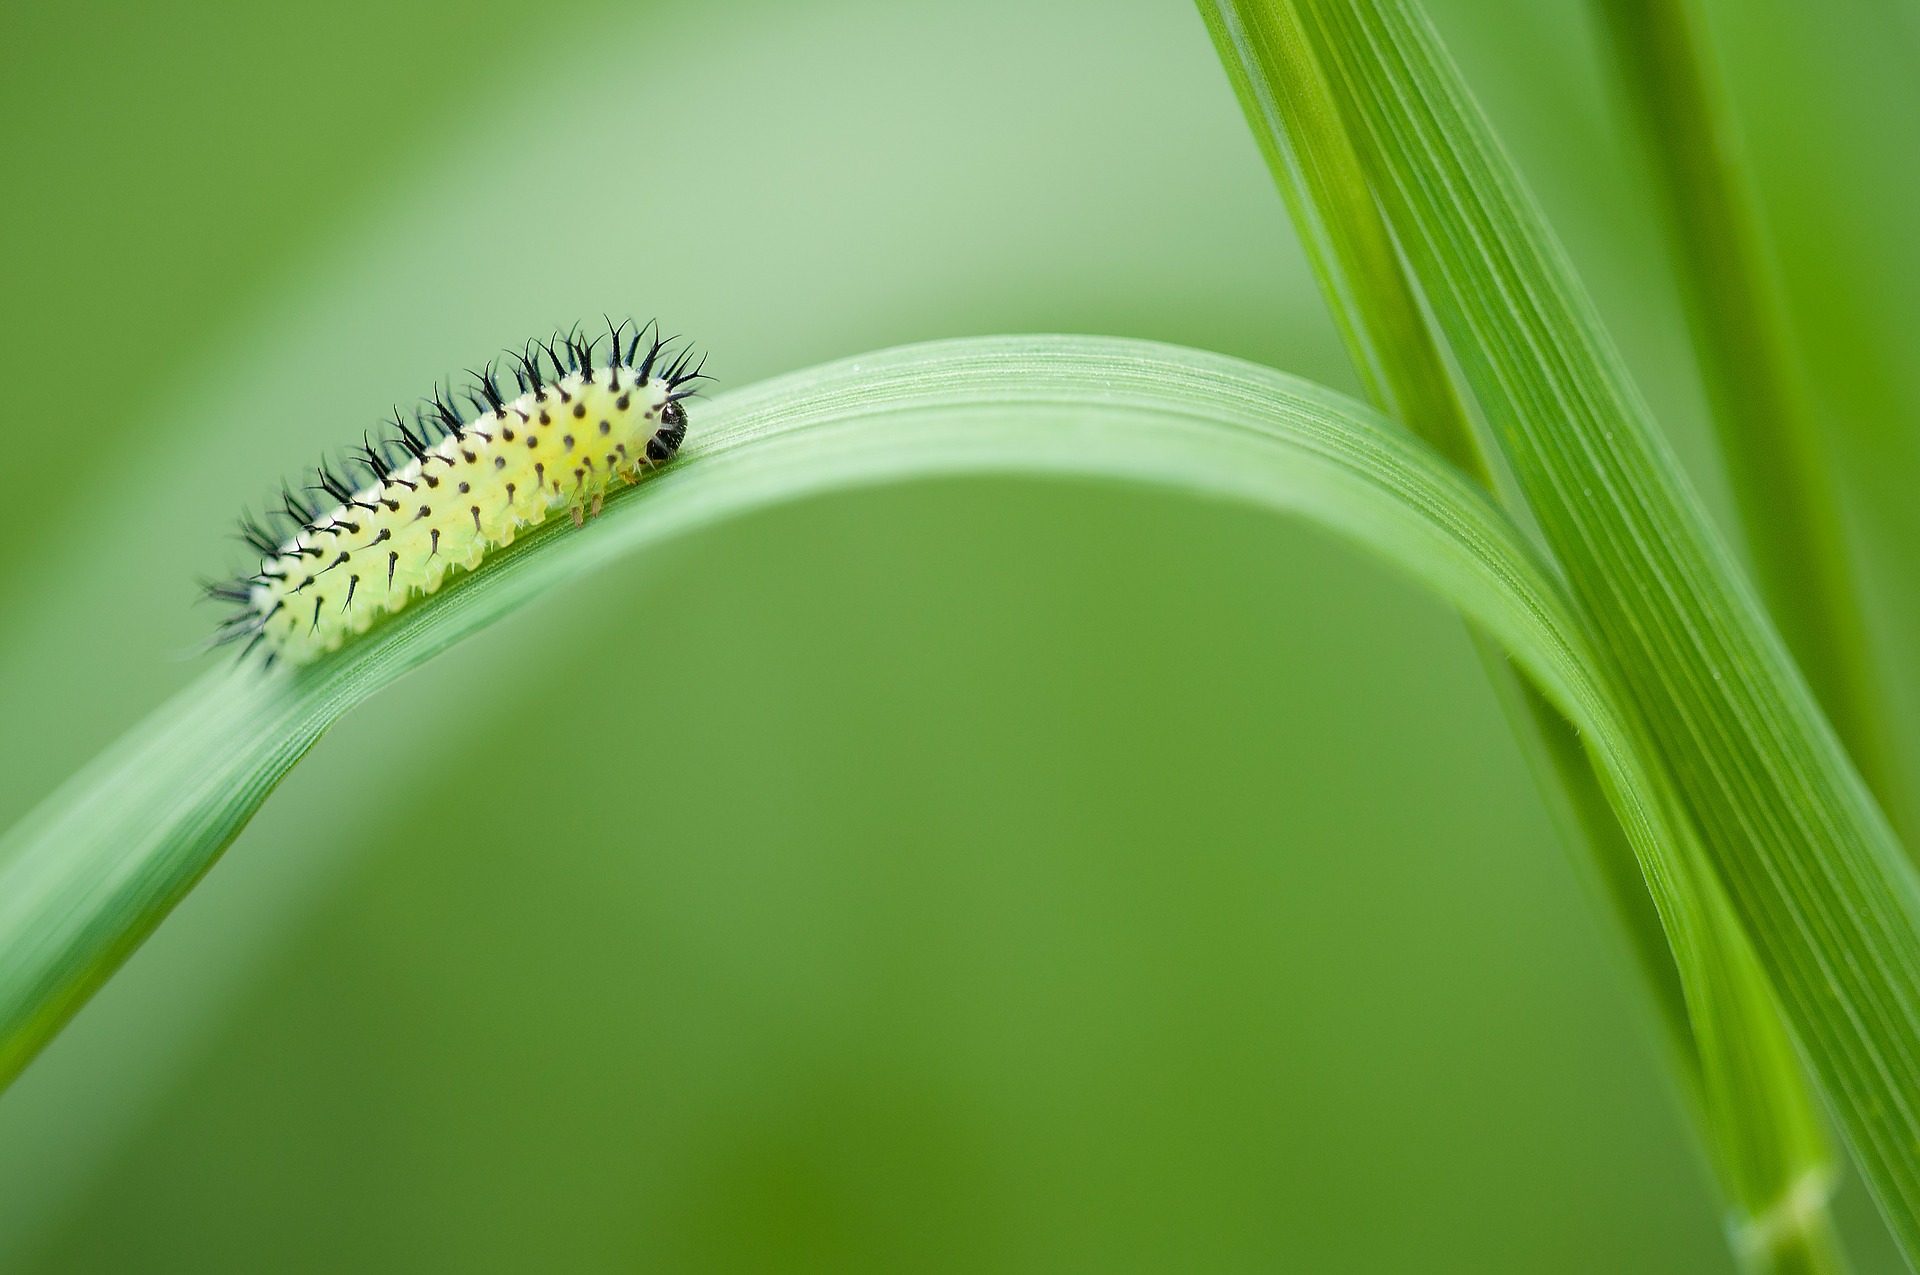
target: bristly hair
<point>408,438</point>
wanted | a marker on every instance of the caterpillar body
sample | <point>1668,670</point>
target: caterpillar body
<point>443,492</point>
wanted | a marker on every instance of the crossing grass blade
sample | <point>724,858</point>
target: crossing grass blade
<point>1776,462</point>
<point>1749,1100</point>
<point>1820,883</point>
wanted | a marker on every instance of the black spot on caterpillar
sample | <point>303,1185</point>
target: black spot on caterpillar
<point>641,379</point>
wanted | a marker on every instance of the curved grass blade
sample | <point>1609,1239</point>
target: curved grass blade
<point>1821,885</point>
<point>97,866</point>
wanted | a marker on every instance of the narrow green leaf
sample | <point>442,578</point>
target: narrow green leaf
<point>99,864</point>
<point>1758,1122</point>
<point>1821,885</point>
<point>1769,432</point>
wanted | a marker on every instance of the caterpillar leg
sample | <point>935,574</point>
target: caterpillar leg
<point>599,498</point>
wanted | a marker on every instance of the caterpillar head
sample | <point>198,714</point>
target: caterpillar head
<point>666,440</point>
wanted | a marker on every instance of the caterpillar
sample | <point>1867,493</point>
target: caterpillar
<point>402,510</point>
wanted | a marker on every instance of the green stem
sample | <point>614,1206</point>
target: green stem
<point>1794,1237</point>
<point>1296,122</point>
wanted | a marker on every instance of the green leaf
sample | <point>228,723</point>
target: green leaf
<point>1769,432</point>
<point>1821,885</point>
<point>1748,1097</point>
<point>99,864</point>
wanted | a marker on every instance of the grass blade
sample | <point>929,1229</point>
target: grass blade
<point>1758,1121</point>
<point>98,865</point>
<point>1769,433</point>
<point>1821,885</point>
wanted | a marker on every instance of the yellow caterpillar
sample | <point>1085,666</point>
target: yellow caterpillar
<point>443,492</point>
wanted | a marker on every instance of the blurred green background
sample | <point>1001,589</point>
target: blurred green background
<point>984,875</point>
